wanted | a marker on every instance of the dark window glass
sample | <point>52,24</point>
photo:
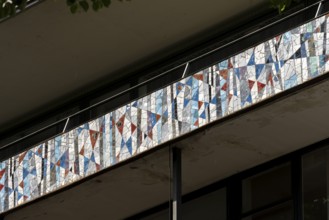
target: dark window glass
<point>209,206</point>
<point>163,215</point>
<point>264,189</point>
<point>283,211</point>
<point>315,185</point>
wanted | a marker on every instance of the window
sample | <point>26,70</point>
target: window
<point>208,206</point>
<point>267,195</point>
<point>316,185</point>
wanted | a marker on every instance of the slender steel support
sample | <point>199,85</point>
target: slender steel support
<point>185,70</point>
<point>176,184</point>
<point>296,187</point>
<point>318,11</point>
<point>234,198</point>
<point>67,122</point>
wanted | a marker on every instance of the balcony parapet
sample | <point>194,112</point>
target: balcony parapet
<point>276,65</point>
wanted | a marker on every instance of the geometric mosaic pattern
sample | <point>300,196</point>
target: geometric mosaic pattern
<point>267,69</point>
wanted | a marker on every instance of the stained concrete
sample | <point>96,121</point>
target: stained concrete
<point>223,149</point>
<point>49,56</point>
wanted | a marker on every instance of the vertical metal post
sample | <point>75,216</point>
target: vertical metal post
<point>234,198</point>
<point>176,184</point>
<point>318,11</point>
<point>296,187</point>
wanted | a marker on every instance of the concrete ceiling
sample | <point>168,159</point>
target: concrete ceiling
<point>223,149</point>
<point>49,56</point>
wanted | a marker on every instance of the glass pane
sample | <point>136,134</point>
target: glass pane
<point>210,206</point>
<point>266,188</point>
<point>163,215</point>
<point>315,185</point>
<point>281,212</point>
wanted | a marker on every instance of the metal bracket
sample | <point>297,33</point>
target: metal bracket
<point>66,123</point>
<point>185,70</point>
<point>318,10</point>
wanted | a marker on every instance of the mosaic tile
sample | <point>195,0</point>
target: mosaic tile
<point>253,75</point>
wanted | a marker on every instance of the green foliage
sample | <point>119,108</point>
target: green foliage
<point>85,5</point>
<point>9,8</point>
<point>282,5</point>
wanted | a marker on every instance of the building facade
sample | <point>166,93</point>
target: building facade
<point>248,118</point>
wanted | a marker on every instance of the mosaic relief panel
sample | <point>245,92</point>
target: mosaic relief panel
<point>260,72</point>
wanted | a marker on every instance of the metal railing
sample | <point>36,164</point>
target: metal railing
<point>230,85</point>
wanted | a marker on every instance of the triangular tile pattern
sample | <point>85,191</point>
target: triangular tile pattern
<point>257,73</point>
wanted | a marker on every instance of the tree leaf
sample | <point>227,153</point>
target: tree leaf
<point>84,5</point>
<point>10,7</point>
<point>95,5</point>
<point>71,2</point>
<point>106,3</point>
<point>74,8</point>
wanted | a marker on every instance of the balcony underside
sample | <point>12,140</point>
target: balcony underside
<point>56,56</point>
<point>265,131</point>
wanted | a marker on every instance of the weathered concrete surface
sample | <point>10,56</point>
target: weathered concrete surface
<point>214,153</point>
<point>49,56</point>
